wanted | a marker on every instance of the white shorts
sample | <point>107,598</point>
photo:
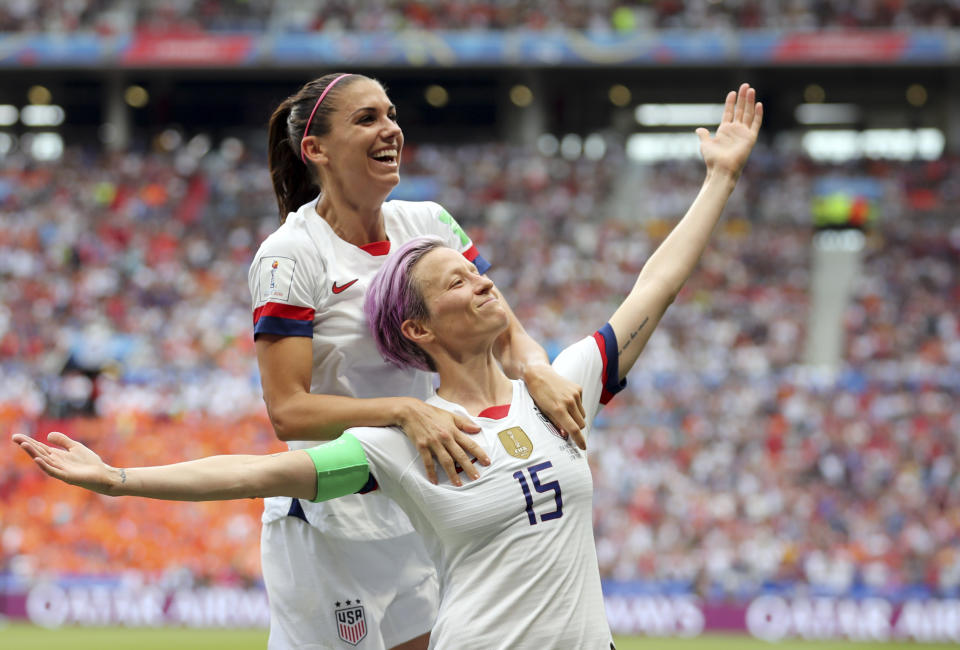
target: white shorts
<point>327,592</point>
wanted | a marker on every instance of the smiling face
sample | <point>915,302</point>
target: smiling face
<point>361,153</point>
<point>463,308</point>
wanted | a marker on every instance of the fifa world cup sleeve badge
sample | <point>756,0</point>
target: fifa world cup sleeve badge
<point>276,277</point>
<point>516,442</point>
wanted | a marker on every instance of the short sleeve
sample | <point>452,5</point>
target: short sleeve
<point>389,455</point>
<point>283,279</point>
<point>592,363</point>
<point>455,237</point>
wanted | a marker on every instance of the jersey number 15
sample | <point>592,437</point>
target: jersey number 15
<point>553,486</point>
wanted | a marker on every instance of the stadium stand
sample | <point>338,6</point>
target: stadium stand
<point>725,468</point>
<point>110,17</point>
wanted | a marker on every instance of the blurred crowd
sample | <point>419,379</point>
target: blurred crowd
<point>116,17</point>
<point>727,466</point>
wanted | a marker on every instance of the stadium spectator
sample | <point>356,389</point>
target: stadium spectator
<point>194,16</point>
<point>738,467</point>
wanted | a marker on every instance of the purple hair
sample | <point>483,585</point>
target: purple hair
<point>392,298</point>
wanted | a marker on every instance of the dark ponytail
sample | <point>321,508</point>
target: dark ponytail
<point>296,182</point>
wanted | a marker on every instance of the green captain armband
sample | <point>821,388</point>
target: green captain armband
<point>342,467</point>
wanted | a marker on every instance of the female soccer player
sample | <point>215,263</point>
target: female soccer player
<point>514,548</point>
<point>335,148</point>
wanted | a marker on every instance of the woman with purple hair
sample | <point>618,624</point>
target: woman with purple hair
<point>514,548</point>
<point>335,149</point>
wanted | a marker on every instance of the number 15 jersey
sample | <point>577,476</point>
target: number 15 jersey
<point>514,549</point>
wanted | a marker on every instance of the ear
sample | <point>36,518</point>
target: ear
<point>417,332</point>
<point>313,149</point>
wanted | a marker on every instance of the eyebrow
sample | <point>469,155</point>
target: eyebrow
<point>392,107</point>
<point>459,270</point>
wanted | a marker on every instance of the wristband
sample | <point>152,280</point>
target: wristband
<point>341,466</point>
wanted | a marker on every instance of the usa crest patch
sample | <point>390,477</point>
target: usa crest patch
<point>351,622</point>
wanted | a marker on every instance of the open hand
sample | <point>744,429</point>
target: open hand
<point>560,399</point>
<point>439,434</point>
<point>727,151</point>
<point>74,463</point>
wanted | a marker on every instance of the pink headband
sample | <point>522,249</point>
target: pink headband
<point>315,107</point>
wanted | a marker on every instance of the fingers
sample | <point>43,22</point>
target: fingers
<point>64,441</point>
<point>741,102</point>
<point>578,413</point>
<point>41,455</point>
<point>749,105</point>
<point>34,448</point>
<point>449,466</point>
<point>703,134</point>
<point>427,457</point>
<point>728,107</point>
<point>757,118</point>
<point>50,469</point>
<point>579,440</point>
<point>472,449</point>
<point>572,421</point>
<point>462,458</point>
<point>465,424</point>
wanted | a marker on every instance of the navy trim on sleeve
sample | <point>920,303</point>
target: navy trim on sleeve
<point>611,364</point>
<point>482,264</point>
<point>283,327</point>
<point>369,486</point>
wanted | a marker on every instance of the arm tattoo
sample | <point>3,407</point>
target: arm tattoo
<point>123,476</point>
<point>633,335</point>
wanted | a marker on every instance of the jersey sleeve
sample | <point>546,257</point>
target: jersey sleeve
<point>592,363</point>
<point>389,454</point>
<point>446,227</point>
<point>283,279</point>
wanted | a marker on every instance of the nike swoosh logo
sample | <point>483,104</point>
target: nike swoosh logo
<point>343,287</point>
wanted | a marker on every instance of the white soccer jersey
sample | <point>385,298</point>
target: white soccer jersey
<point>307,281</point>
<point>514,549</point>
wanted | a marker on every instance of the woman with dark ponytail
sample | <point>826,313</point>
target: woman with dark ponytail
<point>352,569</point>
<point>518,565</point>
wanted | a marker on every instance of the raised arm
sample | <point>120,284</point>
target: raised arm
<point>216,478</point>
<point>297,414</point>
<point>671,264</point>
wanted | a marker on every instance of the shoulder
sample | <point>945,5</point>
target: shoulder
<point>419,213</point>
<point>290,238</point>
<point>413,207</point>
<point>575,358</point>
<point>385,446</point>
<point>593,362</point>
<point>297,239</point>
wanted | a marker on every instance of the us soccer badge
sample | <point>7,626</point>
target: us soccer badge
<point>351,622</point>
<point>516,442</point>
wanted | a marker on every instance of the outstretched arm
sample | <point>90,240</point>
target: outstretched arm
<point>216,478</point>
<point>297,414</point>
<point>671,264</point>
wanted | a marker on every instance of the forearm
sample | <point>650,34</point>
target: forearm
<point>675,259</point>
<point>666,271</point>
<point>306,416</point>
<point>516,351</point>
<point>219,478</point>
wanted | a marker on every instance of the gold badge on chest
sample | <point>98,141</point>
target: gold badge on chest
<point>516,442</point>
